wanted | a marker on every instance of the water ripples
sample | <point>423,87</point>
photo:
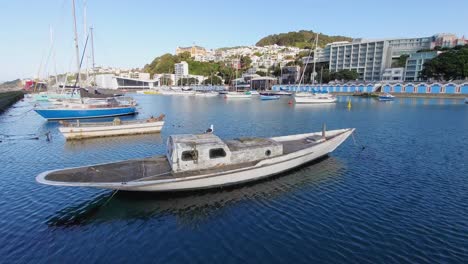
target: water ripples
<point>401,199</point>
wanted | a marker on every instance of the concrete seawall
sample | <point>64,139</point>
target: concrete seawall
<point>9,98</point>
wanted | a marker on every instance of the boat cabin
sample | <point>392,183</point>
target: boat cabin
<point>206,151</point>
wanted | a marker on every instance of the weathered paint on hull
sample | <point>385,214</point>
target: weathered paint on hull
<point>71,133</point>
<point>262,170</point>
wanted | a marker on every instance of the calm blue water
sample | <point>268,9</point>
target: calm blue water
<point>404,198</point>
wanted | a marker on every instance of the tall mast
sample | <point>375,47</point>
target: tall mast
<point>85,29</point>
<point>77,50</point>
<point>315,56</point>
<point>92,53</point>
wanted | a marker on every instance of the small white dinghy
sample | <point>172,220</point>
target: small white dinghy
<point>81,130</point>
<point>203,161</point>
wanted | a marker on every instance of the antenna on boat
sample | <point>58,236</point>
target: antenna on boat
<point>324,128</point>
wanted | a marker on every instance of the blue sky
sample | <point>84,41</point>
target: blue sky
<point>131,33</point>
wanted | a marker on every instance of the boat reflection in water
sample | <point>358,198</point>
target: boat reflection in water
<point>190,208</point>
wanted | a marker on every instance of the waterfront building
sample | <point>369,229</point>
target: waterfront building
<point>447,40</point>
<point>181,70</point>
<point>262,83</point>
<point>110,81</point>
<point>393,74</point>
<point>415,64</point>
<point>290,74</point>
<point>370,58</point>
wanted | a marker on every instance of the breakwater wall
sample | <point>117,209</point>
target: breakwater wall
<point>9,98</point>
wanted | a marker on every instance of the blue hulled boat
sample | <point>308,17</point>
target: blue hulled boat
<point>62,114</point>
<point>92,109</point>
<point>386,97</point>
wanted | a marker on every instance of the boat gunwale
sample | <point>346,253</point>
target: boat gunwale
<point>139,183</point>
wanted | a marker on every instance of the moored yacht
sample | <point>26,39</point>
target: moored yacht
<point>315,98</point>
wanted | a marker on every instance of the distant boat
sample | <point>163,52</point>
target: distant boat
<point>177,92</point>
<point>94,108</point>
<point>82,130</point>
<point>254,92</point>
<point>386,97</point>
<point>238,95</point>
<point>206,94</point>
<point>203,161</point>
<point>314,98</point>
<point>269,97</point>
<point>466,100</point>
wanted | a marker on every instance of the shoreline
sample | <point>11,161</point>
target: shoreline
<point>411,95</point>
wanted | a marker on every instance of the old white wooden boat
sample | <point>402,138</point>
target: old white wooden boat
<point>203,161</point>
<point>77,130</point>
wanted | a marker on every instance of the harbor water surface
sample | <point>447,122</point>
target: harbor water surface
<point>397,192</point>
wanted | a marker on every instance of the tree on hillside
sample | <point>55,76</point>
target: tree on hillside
<point>214,80</point>
<point>165,81</point>
<point>184,56</point>
<point>401,61</point>
<point>187,81</point>
<point>450,65</point>
<point>162,64</point>
<point>344,75</point>
<point>300,39</point>
<point>245,62</point>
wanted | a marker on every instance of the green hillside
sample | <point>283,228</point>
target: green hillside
<point>300,39</point>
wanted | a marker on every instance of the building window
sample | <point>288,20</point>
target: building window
<point>190,155</point>
<point>217,153</point>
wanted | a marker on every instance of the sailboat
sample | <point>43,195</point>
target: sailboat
<point>86,107</point>
<point>313,98</point>
<point>237,94</point>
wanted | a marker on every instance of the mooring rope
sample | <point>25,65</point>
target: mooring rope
<point>355,142</point>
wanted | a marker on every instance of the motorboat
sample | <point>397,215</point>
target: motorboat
<point>203,161</point>
<point>88,108</point>
<point>466,100</point>
<point>386,97</point>
<point>254,92</point>
<point>82,130</point>
<point>238,95</point>
<point>314,98</point>
<point>269,97</point>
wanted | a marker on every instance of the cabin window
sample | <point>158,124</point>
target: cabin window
<point>217,153</point>
<point>268,153</point>
<point>190,155</point>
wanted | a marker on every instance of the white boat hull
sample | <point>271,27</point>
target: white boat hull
<point>314,100</point>
<point>71,133</point>
<point>263,169</point>
<point>238,96</point>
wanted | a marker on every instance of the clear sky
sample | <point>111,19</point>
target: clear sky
<point>130,34</point>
